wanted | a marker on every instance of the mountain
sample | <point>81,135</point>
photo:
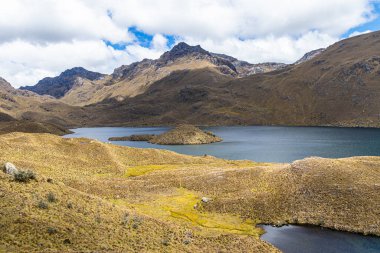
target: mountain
<point>26,106</point>
<point>310,55</point>
<point>80,87</point>
<point>59,85</point>
<point>338,87</point>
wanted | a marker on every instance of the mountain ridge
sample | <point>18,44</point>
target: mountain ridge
<point>135,78</point>
<point>335,87</point>
<point>338,87</point>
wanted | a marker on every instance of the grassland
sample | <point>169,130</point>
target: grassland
<point>112,199</point>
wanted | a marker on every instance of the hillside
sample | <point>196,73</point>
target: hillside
<point>338,87</point>
<point>25,105</point>
<point>112,198</point>
<point>31,127</point>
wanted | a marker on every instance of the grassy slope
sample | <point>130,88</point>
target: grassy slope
<point>31,127</point>
<point>108,180</point>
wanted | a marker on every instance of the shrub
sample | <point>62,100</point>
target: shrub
<point>51,230</point>
<point>165,242</point>
<point>42,205</point>
<point>51,197</point>
<point>24,176</point>
<point>125,219</point>
<point>136,222</point>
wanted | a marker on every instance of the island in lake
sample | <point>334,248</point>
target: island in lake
<point>183,134</point>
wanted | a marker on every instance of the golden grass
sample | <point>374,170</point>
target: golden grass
<point>186,206</point>
<point>144,169</point>
<point>165,188</point>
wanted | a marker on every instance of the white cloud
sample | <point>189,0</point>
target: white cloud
<point>357,33</point>
<point>246,19</point>
<point>267,49</point>
<point>45,37</point>
<point>55,20</point>
<point>24,63</point>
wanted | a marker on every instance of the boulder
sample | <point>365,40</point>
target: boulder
<point>10,168</point>
<point>205,199</point>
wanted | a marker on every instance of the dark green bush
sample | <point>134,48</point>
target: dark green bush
<point>51,197</point>
<point>24,176</point>
<point>42,204</point>
<point>51,230</point>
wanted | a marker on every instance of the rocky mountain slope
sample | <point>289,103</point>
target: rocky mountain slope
<point>310,55</point>
<point>244,68</point>
<point>59,85</point>
<point>339,87</point>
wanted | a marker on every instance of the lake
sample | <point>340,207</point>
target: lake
<point>258,143</point>
<point>276,144</point>
<point>311,239</point>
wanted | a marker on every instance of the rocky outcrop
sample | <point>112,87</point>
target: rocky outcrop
<point>185,135</point>
<point>310,55</point>
<point>244,68</point>
<point>10,169</point>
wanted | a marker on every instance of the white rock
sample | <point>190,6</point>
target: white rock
<point>10,168</point>
<point>205,199</point>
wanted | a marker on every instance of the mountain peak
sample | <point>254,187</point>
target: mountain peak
<point>59,85</point>
<point>309,55</point>
<point>182,49</point>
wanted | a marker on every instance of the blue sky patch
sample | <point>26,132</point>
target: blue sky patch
<point>374,25</point>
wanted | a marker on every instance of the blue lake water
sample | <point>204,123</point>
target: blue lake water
<point>310,239</point>
<point>262,144</point>
<point>276,144</point>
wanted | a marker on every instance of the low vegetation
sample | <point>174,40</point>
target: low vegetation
<point>112,198</point>
<point>134,137</point>
<point>24,176</point>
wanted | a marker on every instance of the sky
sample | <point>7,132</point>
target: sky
<point>40,38</point>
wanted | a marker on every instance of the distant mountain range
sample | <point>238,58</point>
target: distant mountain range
<point>336,86</point>
<point>79,86</point>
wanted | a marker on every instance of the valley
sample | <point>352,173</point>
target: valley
<point>79,193</point>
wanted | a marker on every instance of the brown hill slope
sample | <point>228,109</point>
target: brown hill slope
<point>31,127</point>
<point>26,105</point>
<point>339,87</point>
<point>164,190</point>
